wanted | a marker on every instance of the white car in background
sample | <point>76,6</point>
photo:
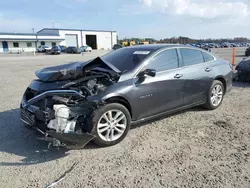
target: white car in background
<point>43,48</point>
<point>86,48</point>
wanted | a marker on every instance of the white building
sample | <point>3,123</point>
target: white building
<point>97,39</point>
<point>27,42</point>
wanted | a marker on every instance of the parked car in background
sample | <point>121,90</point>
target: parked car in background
<point>216,45</point>
<point>243,70</point>
<point>43,48</point>
<point>234,45</point>
<point>117,46</point>
<point>225,45</point>
<point>86,48</point>
<point>55,50</point>
<point>99,99</point>
<point>247,52</point>
<point>211,45</point>
<point>205,47</point>
<point>73,50</point>
<point>63,48</point>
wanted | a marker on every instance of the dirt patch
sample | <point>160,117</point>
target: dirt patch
<point>223,124</point>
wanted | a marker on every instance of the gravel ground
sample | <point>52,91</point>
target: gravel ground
<point>194,148</point>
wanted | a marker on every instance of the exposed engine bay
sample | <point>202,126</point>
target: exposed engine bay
<point>90,85</point>
<point>60,114</point>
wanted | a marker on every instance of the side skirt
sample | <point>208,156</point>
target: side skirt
<point>166,113</point>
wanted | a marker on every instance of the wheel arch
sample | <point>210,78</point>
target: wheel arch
<point>223,81</point>
<point>122,101</point>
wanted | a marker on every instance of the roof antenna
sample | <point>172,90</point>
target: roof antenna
<point>53,22</point>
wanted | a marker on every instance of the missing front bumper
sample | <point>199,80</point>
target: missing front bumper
<point>68,140</point>
<point>34,117</point>
<point>72,140</point>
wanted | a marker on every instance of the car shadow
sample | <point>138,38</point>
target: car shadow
<point>16,139</point>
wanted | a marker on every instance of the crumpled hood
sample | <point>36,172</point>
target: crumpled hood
<point>72,70</point>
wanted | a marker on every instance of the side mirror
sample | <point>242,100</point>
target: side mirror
<point>149,72</point>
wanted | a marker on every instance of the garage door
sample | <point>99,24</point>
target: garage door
<point>71,40</point>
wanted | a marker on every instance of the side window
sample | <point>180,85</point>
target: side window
<point>191,56</point>
<point>207,57</point>
<point>165,60</point>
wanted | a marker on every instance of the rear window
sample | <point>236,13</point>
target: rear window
<point>207,57</point>
<point>191,56</point>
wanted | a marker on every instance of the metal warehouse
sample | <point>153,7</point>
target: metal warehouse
<point>27,42</point>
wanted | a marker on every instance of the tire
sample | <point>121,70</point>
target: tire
<point>94,122</point>
<point>210,104</point>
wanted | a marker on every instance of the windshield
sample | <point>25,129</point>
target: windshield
<point>126,59</point>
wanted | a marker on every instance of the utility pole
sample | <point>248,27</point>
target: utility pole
<point>33,30</point>
<point>53,22</point>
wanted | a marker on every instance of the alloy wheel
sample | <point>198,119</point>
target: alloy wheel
<point>112,125</point>
<point>216,95</point>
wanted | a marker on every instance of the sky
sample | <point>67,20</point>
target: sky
<point>131,18</point>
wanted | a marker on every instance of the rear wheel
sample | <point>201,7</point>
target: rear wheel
<point>215,95</point>
<point>110,124</point>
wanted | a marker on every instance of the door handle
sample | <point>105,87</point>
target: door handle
<point>207,69</point>
<point>178,75</point>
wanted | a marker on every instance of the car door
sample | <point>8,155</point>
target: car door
<point>163,92</point>
<point>198,74</point>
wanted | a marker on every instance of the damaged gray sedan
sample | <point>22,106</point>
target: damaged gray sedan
<point>98,100</point>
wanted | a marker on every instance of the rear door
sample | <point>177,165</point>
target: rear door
<point>198,74</point>
<point>163,92</point>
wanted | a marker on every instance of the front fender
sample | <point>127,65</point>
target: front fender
<point>103,98</point>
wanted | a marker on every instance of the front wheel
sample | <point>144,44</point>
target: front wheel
<point>109,124</point>
<point>215,95</point>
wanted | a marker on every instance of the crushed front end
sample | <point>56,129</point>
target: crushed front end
<point>59,115</point>
<point>57,103</point>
